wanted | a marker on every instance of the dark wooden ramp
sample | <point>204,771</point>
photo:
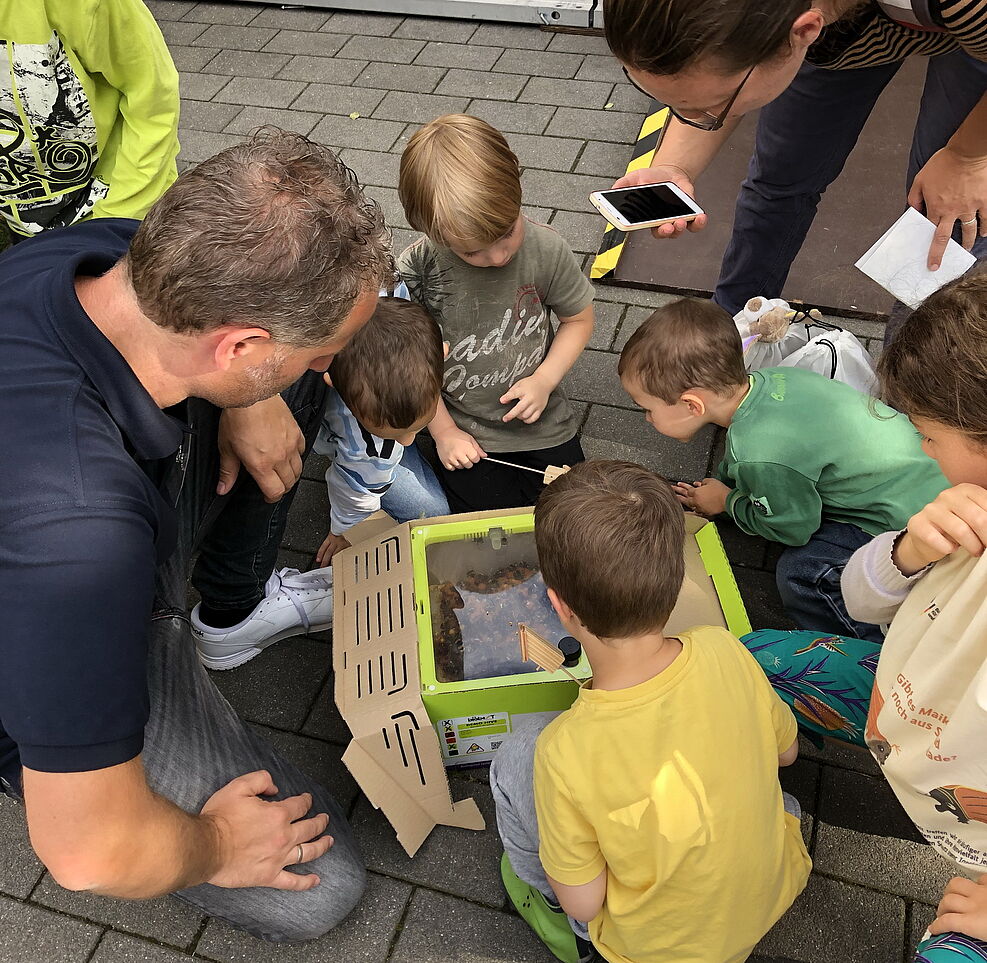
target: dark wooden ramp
<point>854,212</point>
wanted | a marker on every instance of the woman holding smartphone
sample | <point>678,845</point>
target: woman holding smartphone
<point>816,67</point>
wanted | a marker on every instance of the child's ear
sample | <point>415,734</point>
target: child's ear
<point>695,403</point>
<point>561,609</point>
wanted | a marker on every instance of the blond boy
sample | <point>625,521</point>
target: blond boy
<point>492,279</point>
<point>658,818</point>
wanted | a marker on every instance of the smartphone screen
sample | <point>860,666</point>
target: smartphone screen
<point>652,202</point>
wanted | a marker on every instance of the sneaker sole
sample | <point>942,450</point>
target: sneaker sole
<point>236,659</point>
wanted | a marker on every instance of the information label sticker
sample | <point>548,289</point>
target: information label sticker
<point>471,735</point>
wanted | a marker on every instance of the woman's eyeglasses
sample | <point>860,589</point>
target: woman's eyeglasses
<point>701,119</point>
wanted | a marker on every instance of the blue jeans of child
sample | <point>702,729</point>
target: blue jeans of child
<point>808,578</point>
<point>415,492</point>
<point>803,139</point>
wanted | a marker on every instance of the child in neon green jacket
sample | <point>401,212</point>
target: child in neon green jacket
<point>88,112</point>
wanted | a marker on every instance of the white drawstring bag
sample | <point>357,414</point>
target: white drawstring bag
<point>776,336</point>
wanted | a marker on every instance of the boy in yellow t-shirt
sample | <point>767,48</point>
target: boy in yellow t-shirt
<point>651,810</point>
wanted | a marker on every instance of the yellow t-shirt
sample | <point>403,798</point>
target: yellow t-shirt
<point>672,786</point>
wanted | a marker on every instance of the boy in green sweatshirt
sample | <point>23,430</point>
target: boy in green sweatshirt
<point>809,462</point>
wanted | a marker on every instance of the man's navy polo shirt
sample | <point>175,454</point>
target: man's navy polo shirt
<point>82,525</point>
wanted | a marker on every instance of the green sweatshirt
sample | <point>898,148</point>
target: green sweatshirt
<point>89,106</point>
<point>802,448</point>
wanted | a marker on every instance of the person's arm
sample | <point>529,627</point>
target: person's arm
<point>683,155</point>
<point>952,186</point>
<point>106,832</point>
<point>532,393</point>
<point>584,902</point>
<point>789,755</point>
<point>124,44</point>
<point>456,448</point>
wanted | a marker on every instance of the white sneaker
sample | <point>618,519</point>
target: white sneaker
<point>294,603</point>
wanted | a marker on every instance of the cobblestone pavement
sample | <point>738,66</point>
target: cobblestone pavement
<point>570,117</point>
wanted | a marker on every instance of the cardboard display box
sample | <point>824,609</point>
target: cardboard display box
<point>407,725</point>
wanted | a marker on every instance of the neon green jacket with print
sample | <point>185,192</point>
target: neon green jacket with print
<point>88,111</point>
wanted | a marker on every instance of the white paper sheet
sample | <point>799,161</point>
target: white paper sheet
<point>898,260</point>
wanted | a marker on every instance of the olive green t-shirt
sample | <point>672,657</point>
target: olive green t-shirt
<point>497,322</point>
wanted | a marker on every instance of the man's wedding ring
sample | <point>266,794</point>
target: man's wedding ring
<point>973,220</point>
<point>299,853</point>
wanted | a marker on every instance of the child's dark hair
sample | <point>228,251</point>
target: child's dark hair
<point>610,538</point>
<point>390,374</point>
<point>936,366</point>
<point>686,344</point>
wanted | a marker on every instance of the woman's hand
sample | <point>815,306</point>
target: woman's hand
<point>679,177</point>
<point>951,188</point>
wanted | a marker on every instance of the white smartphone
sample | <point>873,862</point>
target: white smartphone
<point>635,208</point>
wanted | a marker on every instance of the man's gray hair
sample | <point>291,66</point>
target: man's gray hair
<point>274,233</point>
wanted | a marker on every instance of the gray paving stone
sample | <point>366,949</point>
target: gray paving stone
<point>608,161</point>
<point>197,145</point>
<point>565,192</point>
<point>324,721</point>
<point>364,937</point>
<point>835,921</point>
<point>339,99</point>
<point>801,779</point>
<point>566,93</point>
<point>251,117</point>
<point>921,917</point>
<point>475,83</point>
<point>200,86</point>
<point>35,935</point>
<point>278,687</point>
<point>401,239</point>
<point>594,378</point>
<point>165,919</point>
<point>226,13</point>
<point>315,465</point>
<point>297,19</point>
<point>191,58</point>
<point>373,167</point>
<point>260,92</point>
<point>413,77</point>
<point>893,865</point>
<point>761,599</point>
<point>117,948</point>
<point>203,115</point>
<point>433,28</point>
<point>387,198</point>
<point>517,118</point>
<point>323,70</point>
<point>418,108</point>
<point>543,64</point>
<point>320,760</point>
<point>247,63</point>
<point>580,43</point>
<point>177,32</point>
<point>639,296</point>
<point>473,873</point>
<point>512,37</point>
<point>369,24</point>
<point>742,549</point>
<point>378,49</point>
<point>303,42</point>
<point>840,754</point>
<point>628,98</point>
<point>582,231</point>
<point>362,132</point>
<point>442,929</point>
<point>638,314</point>
<point>606,317</point>
<point>541,215</point>
<point>231,37</point>
<point>169,9</point>
<point>308,520</point>
<point>865,804</point>
<point>611,125</point>
<point>20,869</point>
<point>439,54</point>
<point>600,67</point>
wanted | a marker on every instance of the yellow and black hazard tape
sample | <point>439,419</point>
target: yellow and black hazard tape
<point>644,152</point>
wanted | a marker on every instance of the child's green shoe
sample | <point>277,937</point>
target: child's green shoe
<point>548,920</point>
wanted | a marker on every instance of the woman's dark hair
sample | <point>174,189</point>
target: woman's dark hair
<point>666,36</point>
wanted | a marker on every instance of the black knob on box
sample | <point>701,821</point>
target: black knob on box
<point>572,650</point>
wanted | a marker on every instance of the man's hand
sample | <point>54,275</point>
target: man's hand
<point>257,838</point>
<point>956,519</point>
<point>331,545</point>
<point>707,497</point>
<point>679,177</point>
<point>963,908</point>
<point>458,449</point>
<point>531,394</point>
<point>951,188</point>
<point>266,440</point>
